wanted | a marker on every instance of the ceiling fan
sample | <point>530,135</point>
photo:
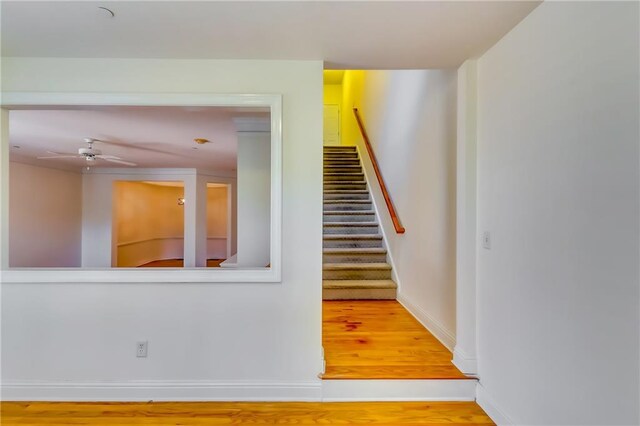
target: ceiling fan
<point>90,154</point>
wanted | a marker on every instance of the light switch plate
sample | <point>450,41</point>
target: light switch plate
<point>486,240</point>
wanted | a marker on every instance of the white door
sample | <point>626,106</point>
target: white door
<point>331,125</point>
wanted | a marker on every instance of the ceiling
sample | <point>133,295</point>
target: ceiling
<point>161,137</point>
<point>345,34</point>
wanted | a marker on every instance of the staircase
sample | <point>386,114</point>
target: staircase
<point>354,259</point>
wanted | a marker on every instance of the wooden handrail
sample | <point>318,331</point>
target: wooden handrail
<point>385,193</point>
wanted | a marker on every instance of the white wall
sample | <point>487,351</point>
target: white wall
<point>206,340</point>
<point>254,199</point>
<point>45,216</point>
<point>558,188</point>
<point>410,117</point>
<point>218,222</point>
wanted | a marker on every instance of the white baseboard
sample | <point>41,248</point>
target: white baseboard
<point>496,413</point>
<point>326,390</point>
<point>441,333</point>
<point>464,363</point>
<point>399,390</point>
<point>161,391</point>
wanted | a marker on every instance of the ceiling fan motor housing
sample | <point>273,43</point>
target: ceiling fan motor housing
<point>89,151</point>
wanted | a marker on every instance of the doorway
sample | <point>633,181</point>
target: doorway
<point>331,125</point>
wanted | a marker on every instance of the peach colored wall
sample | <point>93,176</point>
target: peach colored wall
<point>148,222</point>
<point>217,211</point>
<point>45,216</point>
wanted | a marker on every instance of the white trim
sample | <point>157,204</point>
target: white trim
<point>464,363</point>
<point>466,217</point>
<point>136,275</point>
<point>162,391</point>
<point>437,329</point>
<point>374,202</point>
<point>487,403</point>
<point>222,177</point>
<point>25,100</point>
<point>231,219</point>
<point>325,390</point>
<point>320,390</point>
<point>252,124</point>
<point>15,100</point>
<point>399,390</point>
<point>129,243</point>
<point>4,189</point>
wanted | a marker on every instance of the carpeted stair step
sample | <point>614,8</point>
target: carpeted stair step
<point>349,205</point>
<point>343,169</point>
<point>350,228</point>
<point>338,159</point>
<point>344,185</point>
<point>351,240</point>
<point>341,162</point>
<point>334,154</point>
<point>354,255</point>
<point>340,148</point>
<point>342,159</point>
<point>349,216</point>
<point>356,271</point>
<point>357,194</point>
<point>347,182</point>
<point>359,290</point>
<point>351,177</point>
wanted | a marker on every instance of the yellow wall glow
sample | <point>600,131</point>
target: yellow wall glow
<point>352,86</point>
<point>332,95</point>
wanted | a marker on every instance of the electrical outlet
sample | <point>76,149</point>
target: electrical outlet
<point>486,240</point>
<point>141,349</point>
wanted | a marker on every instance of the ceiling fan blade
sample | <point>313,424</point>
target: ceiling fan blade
<point>59,156</point>
<point>126,163</point>
<point>108,157</point>
<point>62,153</point>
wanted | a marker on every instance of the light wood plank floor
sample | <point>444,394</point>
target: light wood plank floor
<point>178,263</point>
<point>379,339</point>
<point>223,413</point>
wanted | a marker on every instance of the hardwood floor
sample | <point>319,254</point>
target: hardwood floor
<point>221,413</point>
<point>379,339</point>
<point>362,340</point>
<point>178,263</point>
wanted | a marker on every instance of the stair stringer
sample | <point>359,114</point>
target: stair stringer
<point>377,204</point>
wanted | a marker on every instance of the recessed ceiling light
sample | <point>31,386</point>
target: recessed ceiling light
<point>201,141</point>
